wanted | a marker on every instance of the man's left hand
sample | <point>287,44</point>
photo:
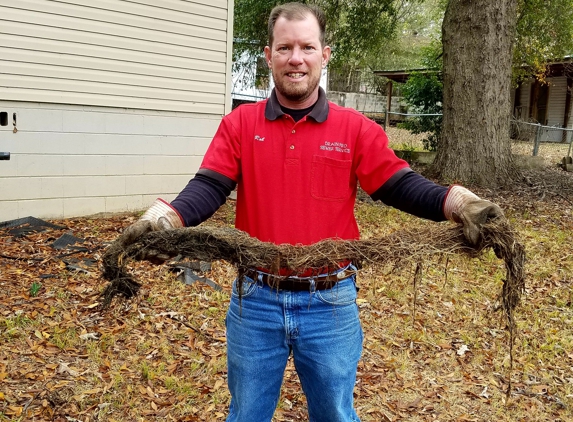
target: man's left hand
<point>473,214</point>
<point>465,207</point>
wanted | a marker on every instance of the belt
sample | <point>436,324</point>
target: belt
<point>321,282</point>
<point>307,273</point>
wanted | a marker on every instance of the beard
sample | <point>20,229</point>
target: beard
<point>296,92</point>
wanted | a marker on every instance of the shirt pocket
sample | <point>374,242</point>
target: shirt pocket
<point>330,178</point>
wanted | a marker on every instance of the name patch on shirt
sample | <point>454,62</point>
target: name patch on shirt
<point>335,146</point>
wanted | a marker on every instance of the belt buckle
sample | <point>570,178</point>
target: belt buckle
<point>345,273</point>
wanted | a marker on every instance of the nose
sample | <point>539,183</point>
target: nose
<point>296,57</point>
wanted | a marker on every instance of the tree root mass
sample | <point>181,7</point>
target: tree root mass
<point>209,244</point>
<point>398,249</point>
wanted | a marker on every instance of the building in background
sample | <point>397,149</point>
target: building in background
<point>548,101</point>
<point>106,105</point>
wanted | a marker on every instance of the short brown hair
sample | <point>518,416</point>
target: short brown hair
<point>297,11</point>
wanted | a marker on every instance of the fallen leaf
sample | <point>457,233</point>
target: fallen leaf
<point>14,410</point>
<point>462,350</point>
<point>65,369</point>
<point>218,385</point>
<point>89,336</point>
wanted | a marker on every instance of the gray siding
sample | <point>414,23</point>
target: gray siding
<point>556,102</point>
<point>169,55</point>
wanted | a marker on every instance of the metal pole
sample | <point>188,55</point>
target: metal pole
<point>389,88</point>
<point>537,140</point>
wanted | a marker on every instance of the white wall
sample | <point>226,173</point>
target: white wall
<point>69,161</point>
<point>373,103</point>
<point>555,108</point>
<point>556,102</point>
<point>525,100</point>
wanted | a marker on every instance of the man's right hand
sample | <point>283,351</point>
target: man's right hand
<point>160,216</point>
<point>133,232</point>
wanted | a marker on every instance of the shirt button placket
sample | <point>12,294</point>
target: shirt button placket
<point>292,150</point>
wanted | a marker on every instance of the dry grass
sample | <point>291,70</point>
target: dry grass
<point>551,152</point>
<point>402,139</point>
<point>457,307</point>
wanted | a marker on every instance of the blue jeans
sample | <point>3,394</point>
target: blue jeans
<point>323,331</point>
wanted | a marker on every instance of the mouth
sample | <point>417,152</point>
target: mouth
<point>296,75</point>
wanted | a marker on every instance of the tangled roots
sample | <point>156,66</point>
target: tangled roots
<point>210,243</point>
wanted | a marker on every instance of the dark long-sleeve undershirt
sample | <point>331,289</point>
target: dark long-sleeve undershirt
<point>410,192</point>
<point>203,195</point>
<point>407,191</point>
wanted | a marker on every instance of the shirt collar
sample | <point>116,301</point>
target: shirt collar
<point>319,112</point>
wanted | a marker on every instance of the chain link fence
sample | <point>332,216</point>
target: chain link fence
<point>551,142</point>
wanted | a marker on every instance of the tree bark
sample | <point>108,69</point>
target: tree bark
<point>475,148</point>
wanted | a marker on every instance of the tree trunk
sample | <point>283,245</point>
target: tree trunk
<point>475,148</point>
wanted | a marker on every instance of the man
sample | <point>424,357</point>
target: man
<point>296,160</point>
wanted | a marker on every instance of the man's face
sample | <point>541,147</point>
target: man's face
<point>297,59</point>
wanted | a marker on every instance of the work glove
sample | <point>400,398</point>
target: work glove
<point>160,216</point>
<point>466,208</point>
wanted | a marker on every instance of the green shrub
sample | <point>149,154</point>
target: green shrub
<point>423,92</point>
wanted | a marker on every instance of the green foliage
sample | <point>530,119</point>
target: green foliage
<point>544,32</point>
<point>352,26</point>
<point>249,35</point>
<point>423,92</point>
<point>418,28</point>
<point>357,28</point>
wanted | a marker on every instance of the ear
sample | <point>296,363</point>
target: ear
<point>326,52</point>
<point>268,55</point>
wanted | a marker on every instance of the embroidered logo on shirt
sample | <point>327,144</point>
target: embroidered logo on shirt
<point>258,138</point>
<point>335,146</point>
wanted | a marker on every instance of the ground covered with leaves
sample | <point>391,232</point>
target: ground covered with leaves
<point>437,352</point>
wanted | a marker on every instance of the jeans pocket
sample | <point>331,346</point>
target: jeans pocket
<point>343,293</point>
<point>248,287</point>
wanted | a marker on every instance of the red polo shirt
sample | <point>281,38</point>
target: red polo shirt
<point>297,182</point>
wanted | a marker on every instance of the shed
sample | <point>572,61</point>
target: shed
<point>399,76</point>
<point>106,105</point>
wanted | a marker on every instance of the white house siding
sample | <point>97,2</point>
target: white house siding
<point>557,96</point>
<point>556,102</point>
<point>556,107</point>
<point>115,101</point>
